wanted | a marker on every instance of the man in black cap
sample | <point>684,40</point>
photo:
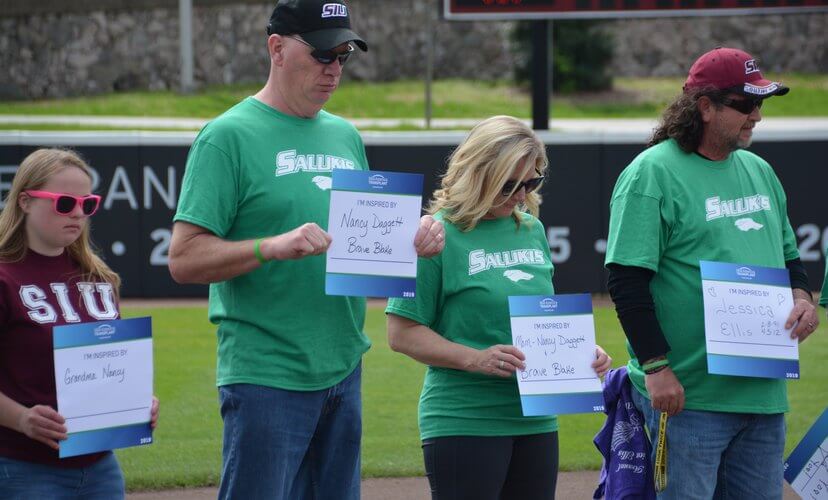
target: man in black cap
<point>250,221</point>
<point>695,194</point>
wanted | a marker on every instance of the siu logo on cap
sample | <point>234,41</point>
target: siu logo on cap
<point>334,10</point>
<point>750,66</point>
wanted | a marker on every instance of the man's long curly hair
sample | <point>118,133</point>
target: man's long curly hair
<point>682,120</point>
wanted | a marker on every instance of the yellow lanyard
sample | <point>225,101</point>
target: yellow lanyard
<point>661,455</point>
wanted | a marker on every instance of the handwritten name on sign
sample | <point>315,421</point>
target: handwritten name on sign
<point>745,310</point>
<point>557,337</point>
<point>373,219</point>
<point>367,231</point>
<point>545,340</point>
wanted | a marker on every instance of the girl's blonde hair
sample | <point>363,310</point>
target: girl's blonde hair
<point>33,174</point>
<point>481,165</point>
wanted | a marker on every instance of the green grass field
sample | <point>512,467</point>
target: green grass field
<point>630,98</point>
<point>187,447</point>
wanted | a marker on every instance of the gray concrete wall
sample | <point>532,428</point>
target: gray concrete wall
<point>54,48</point>
<point>667,46</point>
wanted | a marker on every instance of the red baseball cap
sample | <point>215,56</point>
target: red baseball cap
<point>734,70</point>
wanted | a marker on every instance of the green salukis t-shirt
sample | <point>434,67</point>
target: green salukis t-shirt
<point>670,210</point>
<point>462,294</point>
<point>255,172</point>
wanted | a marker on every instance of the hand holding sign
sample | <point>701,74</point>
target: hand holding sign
<point>804,318</point>
<point>430,238</point>
<point>42,423</point>
<point>603,361</point>
<point>499,360</point>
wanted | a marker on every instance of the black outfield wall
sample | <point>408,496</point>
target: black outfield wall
<point>139,176</point>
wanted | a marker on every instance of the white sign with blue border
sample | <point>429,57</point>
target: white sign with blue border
<point>806,469</point>
<point>745,310</point>
<point>103,375</point>
<point>556,333</point>
<point>373,219</point>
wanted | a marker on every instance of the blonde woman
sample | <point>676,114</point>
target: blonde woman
<point>476,442</point>
<point>46,260</point>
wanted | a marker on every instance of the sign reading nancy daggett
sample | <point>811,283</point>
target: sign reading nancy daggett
<point>103,374</point>
<point>556,333</point>
<point>373,219</point>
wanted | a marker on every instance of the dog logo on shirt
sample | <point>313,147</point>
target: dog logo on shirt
<point>517,275</point>
<point>322,182</point>
<point>746,224</point>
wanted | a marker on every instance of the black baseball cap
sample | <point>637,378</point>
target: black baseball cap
<point>324,24</point>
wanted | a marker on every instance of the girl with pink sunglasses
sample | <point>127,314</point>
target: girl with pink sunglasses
<point>45,255</point>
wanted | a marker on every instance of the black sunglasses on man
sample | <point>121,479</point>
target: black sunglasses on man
<point>744,106</point>
<point>327,56</point>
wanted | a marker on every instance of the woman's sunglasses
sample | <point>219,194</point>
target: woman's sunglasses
<point>64,204</point>
<point>512,187</point>
<point>744,106</point>
<point>327,56</point>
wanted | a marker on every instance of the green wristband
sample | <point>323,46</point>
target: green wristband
<point>258,251</point>
<point>655,364</point>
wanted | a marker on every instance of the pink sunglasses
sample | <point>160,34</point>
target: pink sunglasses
<point>64,204</point>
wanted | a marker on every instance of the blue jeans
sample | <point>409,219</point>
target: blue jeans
<point>719,455</point>
<point>281,444</point>
<point>20,480</point>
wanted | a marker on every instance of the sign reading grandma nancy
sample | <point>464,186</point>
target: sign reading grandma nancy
<point>103,377</point>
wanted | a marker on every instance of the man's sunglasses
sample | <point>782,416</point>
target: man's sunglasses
<point>64,204</point>
<point>744,106</point>
<point>512,187</point>
<point>327,56</point>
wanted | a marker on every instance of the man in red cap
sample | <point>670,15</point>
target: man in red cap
<point>250,221</point>
<point>697,194</point>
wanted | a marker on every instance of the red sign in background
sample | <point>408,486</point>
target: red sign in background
<point>617,7</point>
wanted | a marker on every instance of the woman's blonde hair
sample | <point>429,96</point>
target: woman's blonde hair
<point>480,167</point>
<point>33,174</point>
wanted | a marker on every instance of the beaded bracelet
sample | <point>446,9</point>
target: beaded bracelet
<point>655,370</point>
<point>655,364</point>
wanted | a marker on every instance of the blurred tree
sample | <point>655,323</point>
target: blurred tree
<point>581,54</point>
